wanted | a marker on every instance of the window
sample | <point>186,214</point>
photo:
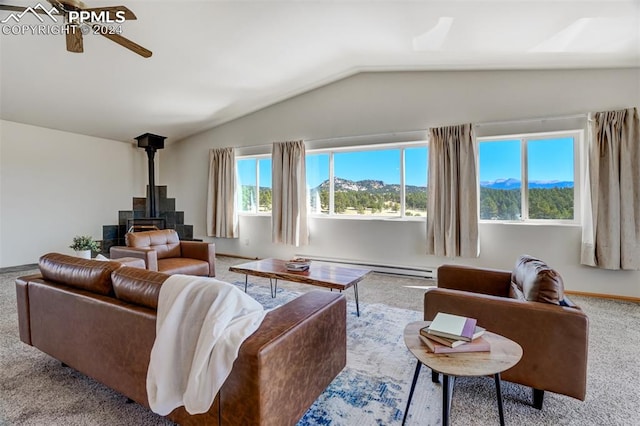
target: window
<point>253,174</point>
<point>369,181</point>
<point>389,181</point>
<point>531,177</point>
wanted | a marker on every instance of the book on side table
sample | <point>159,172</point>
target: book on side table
<point>454,343</point>
<point>454,327</point>
<point>476,345</point>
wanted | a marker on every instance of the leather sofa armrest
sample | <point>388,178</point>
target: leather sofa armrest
<point>22,298</point>
<point>288,362</point>
<point>202,251</point>
<point>554,339</point>
<point>476,280</point>
<point>149,256</point>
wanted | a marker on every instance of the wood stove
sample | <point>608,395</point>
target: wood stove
<point>155,211</point>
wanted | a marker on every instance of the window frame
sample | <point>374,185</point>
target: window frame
<point>402,146</point>
<point>578,166</point>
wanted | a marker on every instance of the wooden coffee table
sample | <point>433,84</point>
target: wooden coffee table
<point>321,275</point>
<point>504,354</point>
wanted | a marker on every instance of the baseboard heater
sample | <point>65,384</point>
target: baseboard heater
<point>427,272</point>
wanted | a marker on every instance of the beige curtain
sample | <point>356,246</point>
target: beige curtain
<point>452,205</point>
<point>289,194</point>
<point>611,207</point>
<point>222,220</point>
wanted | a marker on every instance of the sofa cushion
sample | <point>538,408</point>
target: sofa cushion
<point>185,266</point>
<point>87,274</point>
<point>138,286</point>
<point>536,281</point>
<point>165,242</point>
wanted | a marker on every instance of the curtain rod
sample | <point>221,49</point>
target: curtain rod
<point>337,138</point>
<point>530,120</point>
<point>479,124</point>
<point>374,135</point>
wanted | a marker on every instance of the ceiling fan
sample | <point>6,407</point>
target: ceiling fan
<point>81,20</point>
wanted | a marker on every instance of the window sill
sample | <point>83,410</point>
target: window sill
<point>349,217</point>
<point>531,223</point>
<point>370,218</point>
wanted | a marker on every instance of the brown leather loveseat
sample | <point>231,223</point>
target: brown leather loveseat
<point>528,306</point>
<point>163,251</point>
<point>99,318</point>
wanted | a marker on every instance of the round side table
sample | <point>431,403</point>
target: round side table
<point>504,354</point>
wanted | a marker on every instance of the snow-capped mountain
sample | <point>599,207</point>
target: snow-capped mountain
<point>511,183</point>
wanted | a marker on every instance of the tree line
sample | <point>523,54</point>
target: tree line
<point>544,203</point>
<point>495,204</point>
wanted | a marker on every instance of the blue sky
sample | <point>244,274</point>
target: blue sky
<point>381,165</point>
<point>377,165</point>
<point>548,159</point>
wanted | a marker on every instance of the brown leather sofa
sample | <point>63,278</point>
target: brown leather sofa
<point>163,251</point>
<point>554,338</point>
<point>99,318</point>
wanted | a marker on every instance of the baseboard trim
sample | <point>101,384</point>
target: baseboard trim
<point>604,296</point>
<point>19,268</point>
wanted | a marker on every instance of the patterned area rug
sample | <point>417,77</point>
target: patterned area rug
<point>374,386</point>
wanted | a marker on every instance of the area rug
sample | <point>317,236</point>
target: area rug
<point>374,386</point>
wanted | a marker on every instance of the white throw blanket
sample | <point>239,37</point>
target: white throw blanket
<point>200,326</point>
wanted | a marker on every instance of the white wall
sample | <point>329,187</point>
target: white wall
<point>373,103</point>
<point>55,185</point>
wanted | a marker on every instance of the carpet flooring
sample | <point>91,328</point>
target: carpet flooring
<point>372,390</point>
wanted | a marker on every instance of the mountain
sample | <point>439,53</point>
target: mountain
<point>379,187</point>
<point>511,183</point>
<point>501,184</point>
<point>367,185</point>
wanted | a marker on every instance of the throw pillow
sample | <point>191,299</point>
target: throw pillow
<point>537,281</point>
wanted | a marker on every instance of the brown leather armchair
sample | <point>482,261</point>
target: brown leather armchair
<point>163,251</point>
<point>554,338</point>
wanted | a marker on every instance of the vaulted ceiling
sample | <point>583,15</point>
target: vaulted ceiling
<point>214,61</point>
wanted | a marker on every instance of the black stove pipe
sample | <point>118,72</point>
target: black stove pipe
<point>151,143</point>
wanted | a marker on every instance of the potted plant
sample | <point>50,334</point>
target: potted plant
<point>84,245</point>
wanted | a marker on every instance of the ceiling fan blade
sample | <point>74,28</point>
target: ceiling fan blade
<point>74,39</point>
<point>57,5</point>
<point>122,41</point>
<point>128,15</point>
<point>13,8</point>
